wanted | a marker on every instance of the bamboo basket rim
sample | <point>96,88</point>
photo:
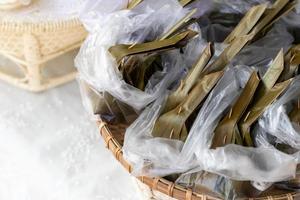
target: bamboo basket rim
<point>46,26</point>
<point>162,185</point>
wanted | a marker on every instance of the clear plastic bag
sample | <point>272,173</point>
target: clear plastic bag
<point>225,6</point>
<point>223,187</point>
<point>262,52</point>
<point>276,121</point>
<point>95,10</point>
<point>148,20</point>
<point>139,142</point>
<point>203,7</point>
<point>104,106</point>
<point>232,6</point>
<point>215,27</point>
<point>292,22</point>
<point>263,164</point>
<point>166,158</point>
<point>276,129</point>
<point>211,184</point>
<point>218,186</point>
<point>101,103</point>
<point>219,17</point>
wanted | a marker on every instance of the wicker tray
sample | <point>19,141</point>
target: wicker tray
<point>160,188</point>
<point>13,5</point>
<point>10,6</point>
<point>31,44</point>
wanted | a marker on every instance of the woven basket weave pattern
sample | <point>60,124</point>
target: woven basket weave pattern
<point>33,44</point>
<point>12,43</point>
<point>52,37</point>
<point>159,188</point>
<point>10,5</point>
<point>63,39</point>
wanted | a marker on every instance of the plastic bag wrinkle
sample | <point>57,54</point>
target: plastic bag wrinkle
<point>127,27</point>
<point>263,164</point>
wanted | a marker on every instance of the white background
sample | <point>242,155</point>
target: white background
<point>51,150</point>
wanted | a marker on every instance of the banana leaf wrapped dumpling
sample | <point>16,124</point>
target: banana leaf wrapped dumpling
<point>185,99</point>
<point>172,156</point>
<point>147,22</point>
<point>199,118</point>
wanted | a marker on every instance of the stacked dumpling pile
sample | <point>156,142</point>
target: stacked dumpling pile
<point>208,89</point>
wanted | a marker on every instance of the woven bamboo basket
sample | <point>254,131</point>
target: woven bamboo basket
<point>31,45</point>
<point>160,188</point>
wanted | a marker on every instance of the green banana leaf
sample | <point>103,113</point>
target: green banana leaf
<point>141,68</point>
<point>179,25</point>
<point>133,59</point>
<point>227,131</point>
<point>247,23</point>
<point>110,108</point>
<point>292,62</point>
<point>172,124</point>
<point>147,64</point>
<point>268,17</point>
<point>258,107</point>
<point>120,51</point>
<point>264,96</point>
<point>272,75</point>
<point>190,80</point>
<point>295,58</point>
<point>151,65</point>
<point>185,2</point>
<point>128,67</point>
<point>227,55</point>
<point>287,8</point>
<point>290,68</point>
<point>133,3</point>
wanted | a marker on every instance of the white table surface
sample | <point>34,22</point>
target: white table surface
<point>51,150</point>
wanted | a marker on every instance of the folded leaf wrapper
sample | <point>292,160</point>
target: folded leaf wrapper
<point>270,16</point>
<point>134,60</point>
<point>172,123</point>
<point>155,156</point>
<point>247,23</point>
<point>190,106</point>
<point>100,69</point>
<point>176,97</point>
<point>267,92</point>
<point>133,3</point>
<point>185,99</point>
<point>227,131</point>
<point>227,55</point>
<point>292,62</point>
<point>263,163</point>
<point>122,50</point>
